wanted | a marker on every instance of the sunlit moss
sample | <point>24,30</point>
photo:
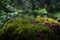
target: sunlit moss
<point>22,27</point>
<point>45,20</point>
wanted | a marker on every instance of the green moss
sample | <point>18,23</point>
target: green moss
<point>46,20</point>
<point>23,30</point>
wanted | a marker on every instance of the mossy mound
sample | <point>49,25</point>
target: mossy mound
<point>23,29</point>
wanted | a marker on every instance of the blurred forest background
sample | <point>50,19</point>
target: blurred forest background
<point>10,9</point>
<point>29,19</point>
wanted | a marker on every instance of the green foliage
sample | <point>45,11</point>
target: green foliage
<point>57,15</point>
<point>42,11</point>
<point>23,29</point>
